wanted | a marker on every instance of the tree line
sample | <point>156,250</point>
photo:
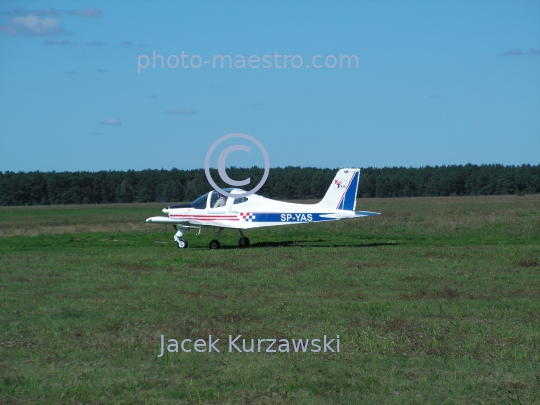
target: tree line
<point>44,188</point>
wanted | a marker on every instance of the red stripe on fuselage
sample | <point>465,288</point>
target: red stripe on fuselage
<point>205,217</point>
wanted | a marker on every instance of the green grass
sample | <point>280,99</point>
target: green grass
<point>436,301</point>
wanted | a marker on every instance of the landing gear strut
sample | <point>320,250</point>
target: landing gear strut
<point>214,244</point>
<point>243,241</point>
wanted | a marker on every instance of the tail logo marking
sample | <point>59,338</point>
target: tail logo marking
<point>338,183</point>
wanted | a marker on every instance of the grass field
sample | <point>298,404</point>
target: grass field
<point>436,301</point>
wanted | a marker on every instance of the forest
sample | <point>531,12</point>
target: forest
<point>47,188</point>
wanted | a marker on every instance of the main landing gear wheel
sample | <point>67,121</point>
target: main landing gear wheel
<point>243,242</point>
<point>182,243</point>
<point>214,245</point>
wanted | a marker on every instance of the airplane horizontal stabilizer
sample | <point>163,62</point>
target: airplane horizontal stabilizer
<point>366,214</point>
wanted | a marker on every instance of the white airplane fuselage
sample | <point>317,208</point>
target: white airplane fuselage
<point>255,211</point>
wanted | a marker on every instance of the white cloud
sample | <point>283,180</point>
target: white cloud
<point>33,25</point>
<point>180,111</point>
<point>111,121</point>
<point>87,12</point>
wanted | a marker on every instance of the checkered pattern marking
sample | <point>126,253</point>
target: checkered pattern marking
<point>247,216</point>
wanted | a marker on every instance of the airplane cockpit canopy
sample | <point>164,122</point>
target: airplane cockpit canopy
<point>204,202</point>
<point>200,203</point>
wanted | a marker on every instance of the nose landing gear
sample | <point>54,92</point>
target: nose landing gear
<point>181,242</point>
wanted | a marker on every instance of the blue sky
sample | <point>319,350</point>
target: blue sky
<point>437,83</point>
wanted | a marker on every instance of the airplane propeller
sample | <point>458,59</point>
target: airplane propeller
<point>165,208</point>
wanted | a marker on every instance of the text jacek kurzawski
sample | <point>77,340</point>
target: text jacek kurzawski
<point>236,344</point>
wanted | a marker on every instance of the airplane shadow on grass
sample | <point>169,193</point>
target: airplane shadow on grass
<point>310,243</point>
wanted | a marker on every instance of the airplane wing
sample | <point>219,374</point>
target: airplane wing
<point>174,221</point>
<point>165,220</point>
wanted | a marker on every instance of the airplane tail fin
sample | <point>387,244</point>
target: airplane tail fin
<point>341,194</point>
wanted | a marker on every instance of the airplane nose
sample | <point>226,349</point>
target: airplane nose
<point>165,210</point>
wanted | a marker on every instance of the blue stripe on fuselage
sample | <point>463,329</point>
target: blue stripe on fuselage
<point>288,217</point>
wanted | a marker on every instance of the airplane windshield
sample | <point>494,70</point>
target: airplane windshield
<point>200,203</point>
<point>217,200</point>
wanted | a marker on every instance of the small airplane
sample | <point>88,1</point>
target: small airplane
<point>254,211</point>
